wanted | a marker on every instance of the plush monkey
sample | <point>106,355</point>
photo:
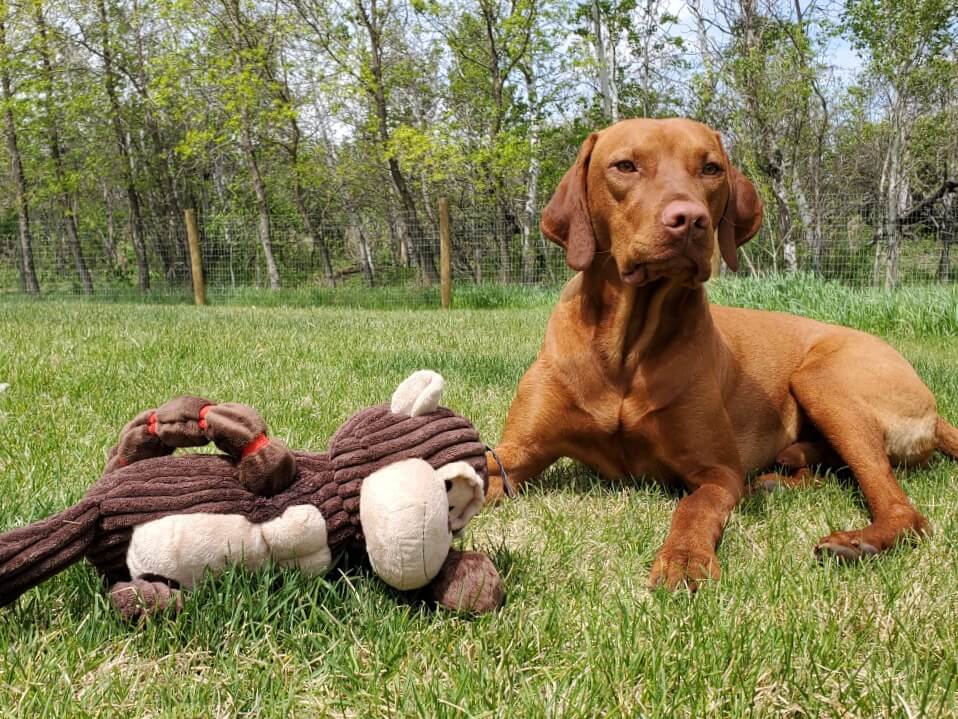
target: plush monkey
<point>396,484</point>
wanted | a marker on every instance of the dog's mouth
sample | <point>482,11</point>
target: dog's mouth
<point>679,267</point>
<point>638,275</point>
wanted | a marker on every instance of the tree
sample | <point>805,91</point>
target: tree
<point>104,24</point>
<point>905,43</point>
<point>51,121</point>
<point>357,38</point>
<point>28,275</point>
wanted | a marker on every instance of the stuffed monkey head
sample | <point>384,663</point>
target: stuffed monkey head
<point>423,476</point>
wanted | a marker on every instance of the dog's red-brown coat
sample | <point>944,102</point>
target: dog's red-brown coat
<point>639,375</point>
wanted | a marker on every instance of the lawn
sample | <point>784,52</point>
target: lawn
<point>779,635</point>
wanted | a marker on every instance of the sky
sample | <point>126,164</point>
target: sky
<point>843,57</point>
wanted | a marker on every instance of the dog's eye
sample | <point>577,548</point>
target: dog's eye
<point>625,166</point>
<point>711,168</point>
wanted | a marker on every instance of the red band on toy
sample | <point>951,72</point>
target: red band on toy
<point>260,441</point>
<point>203,410</point>
<point>151,424</point>
<point>120,462</point>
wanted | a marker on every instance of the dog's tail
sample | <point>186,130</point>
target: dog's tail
<point>947,438</point>
<point>31,554</point>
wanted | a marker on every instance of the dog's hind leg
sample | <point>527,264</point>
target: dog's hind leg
<point>797,460</point>
<point>947,436</point>
<point>774,481</point>
<point>844,413</point>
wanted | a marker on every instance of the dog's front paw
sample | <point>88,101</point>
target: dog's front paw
<point>495,492</point>
<point>900,523</point>
<point>858,543</point>
<point>679,565</point>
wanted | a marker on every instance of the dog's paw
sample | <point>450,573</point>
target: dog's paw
<point>495,492</point>
<point>845,547</point>
<point>877,537</point>
<point>775,482</point>
<point>680,566</point>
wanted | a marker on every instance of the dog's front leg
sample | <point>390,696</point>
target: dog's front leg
<point>688,557</point>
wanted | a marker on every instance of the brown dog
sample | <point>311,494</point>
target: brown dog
<point>639,375</point>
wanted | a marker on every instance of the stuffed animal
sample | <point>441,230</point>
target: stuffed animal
<point>396,484</point>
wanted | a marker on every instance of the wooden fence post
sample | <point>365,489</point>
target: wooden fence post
<point>196,258</point>
<point>445,255</point>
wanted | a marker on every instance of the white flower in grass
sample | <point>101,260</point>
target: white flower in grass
<point>4,386</point>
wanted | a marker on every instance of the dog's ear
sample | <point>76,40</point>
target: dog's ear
<point>565,220</point>
<point>742,217</point>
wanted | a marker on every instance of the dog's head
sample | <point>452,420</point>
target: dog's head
<point>652,193</point>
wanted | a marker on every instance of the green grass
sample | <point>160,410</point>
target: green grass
<point>779,635</point>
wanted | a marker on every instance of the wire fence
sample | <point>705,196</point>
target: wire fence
<point>849,242</point>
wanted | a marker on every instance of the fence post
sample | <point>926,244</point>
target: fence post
<point>445,255</point>
<point>196,259</point>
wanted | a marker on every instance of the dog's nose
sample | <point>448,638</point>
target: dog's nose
<point>682,219</point>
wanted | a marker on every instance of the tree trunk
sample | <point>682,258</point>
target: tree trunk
<point>772,166</point>
<point>249,152</point>
<point>262,207</point>
<point>896,195</point>
<point>311,236</point>
<point>530,215</point>
<point>420,248</point>
<point>123,148</point>
<point>706,96</point>
<point>109,239</point>
<point>607,84</point>
<point>502,242</point>
<point>300,201</point>
<point>28,274</point>
<point>285,95</point>
<point>944,262</point>
<point>808,220</point>
<point>356,236</point>
<point>158,161</point>
<point>56,154</point>
<point>503,213</point>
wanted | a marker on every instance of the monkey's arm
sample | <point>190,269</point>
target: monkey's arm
<point>266,466</point>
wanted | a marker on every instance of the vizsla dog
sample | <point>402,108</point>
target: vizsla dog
<point>639,375</point>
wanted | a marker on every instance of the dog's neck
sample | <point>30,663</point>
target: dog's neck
<point>633,324</point>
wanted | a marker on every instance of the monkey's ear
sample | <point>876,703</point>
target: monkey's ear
<point>465,490</point>
<point>420,393</point>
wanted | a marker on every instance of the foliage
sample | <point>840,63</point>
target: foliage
<point>354,108</point>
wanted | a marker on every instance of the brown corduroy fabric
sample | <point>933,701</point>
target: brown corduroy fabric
<point>144,482</point>
<point>376,437</point>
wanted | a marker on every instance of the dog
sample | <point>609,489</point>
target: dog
<point>639,375</point>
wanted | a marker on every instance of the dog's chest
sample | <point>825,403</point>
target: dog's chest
<point>623,439</point>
